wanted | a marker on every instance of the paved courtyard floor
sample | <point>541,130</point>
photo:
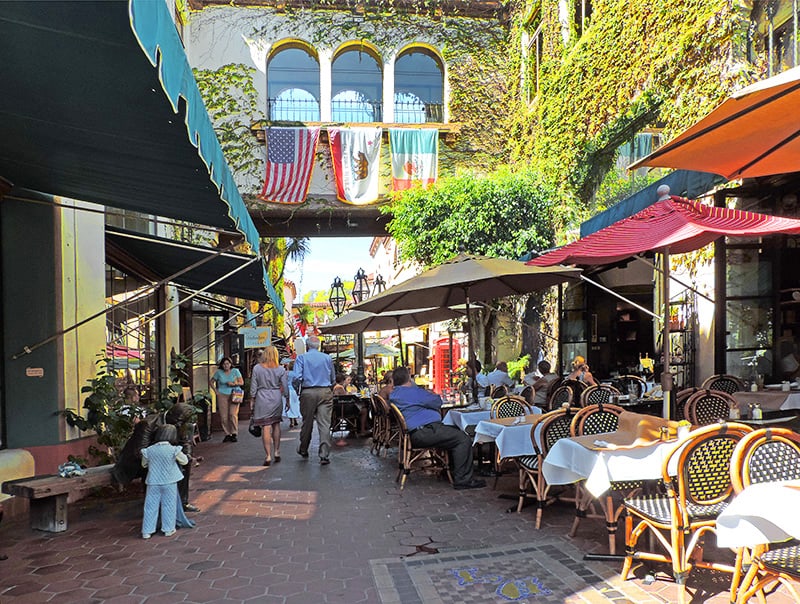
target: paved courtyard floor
<point>298,532</point>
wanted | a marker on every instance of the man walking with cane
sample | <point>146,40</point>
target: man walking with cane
<point>314,376</point>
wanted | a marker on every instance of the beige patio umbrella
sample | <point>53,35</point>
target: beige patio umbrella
<point>465,279</point>
<point>357,321</point>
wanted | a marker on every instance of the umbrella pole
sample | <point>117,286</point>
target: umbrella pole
<point>471,350</point>
<point>400,344</point>
<point>666,376</point>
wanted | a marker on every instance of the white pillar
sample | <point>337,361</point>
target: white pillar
<point>325,85</point>
<point>388,89</point>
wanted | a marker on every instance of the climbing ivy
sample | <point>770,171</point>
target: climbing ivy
<point>639,63</point>
<point>232,103</point>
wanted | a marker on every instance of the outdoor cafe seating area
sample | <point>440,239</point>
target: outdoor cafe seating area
<point>715,486</point>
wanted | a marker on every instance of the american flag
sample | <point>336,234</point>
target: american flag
<point>290,159</point>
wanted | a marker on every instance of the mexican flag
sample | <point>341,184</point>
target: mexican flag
<point>356,156</point>
<point>414,156</point>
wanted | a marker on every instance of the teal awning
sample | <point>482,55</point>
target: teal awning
<point>99,104</point>
<point>164,257</point>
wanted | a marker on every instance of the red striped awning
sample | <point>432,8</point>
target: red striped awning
<point>679,224</point>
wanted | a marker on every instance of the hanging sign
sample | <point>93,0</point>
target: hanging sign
<point>256,337</point>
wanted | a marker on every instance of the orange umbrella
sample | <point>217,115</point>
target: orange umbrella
<point>753,133</point>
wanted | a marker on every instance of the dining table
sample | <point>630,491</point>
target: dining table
<point>511,435</point>
<point>465,417</point>
<point>770,400</point>
<point>602,463</point>
<point>762,513</point>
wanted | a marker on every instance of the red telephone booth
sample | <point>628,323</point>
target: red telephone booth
<point>443,363</point>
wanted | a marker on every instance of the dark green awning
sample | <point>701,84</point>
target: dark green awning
<point>164,257</point>
<point>99,104</point>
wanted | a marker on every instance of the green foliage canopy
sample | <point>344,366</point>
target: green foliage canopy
<point>503,215</point>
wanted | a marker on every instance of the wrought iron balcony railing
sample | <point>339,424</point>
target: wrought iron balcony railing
<point>353,111</point>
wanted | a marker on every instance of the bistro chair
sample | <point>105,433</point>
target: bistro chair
<point>706,407</point>
<point>390,431</point>
<point>680,402</point>
<point>510,406</point>
<point>548,429</point>
<point>577,388</point>
<point>498,391</point>
<point>528,393</point>
<point>631,384</point>
<point>597,395</point>
<point>697,483</point>
<point>379,429</point>
<point>724,382</point>
<point>599,419</point>
<point>559,396</point>
<point>767,455</point>
<point>425,458</point>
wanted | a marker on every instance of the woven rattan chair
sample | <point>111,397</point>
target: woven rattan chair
<point>510,406</point>
<point>624,383</point>
<point>528,393</point>
<point>559,396</point>
<point>767,455</point>
<point>551,427</point>
<point>426,458</point>
<point>680,402</point>
<point>390,431</point>
<point>599,419</point>
<point>378,425</point>
<point>597,395</point>
<point>698,492</point>
<point>706,407</point>
<point>724,382</point>
<point>577,388</point>
<point>498,391</point>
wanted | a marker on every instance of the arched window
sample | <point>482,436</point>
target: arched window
<point>293,85</point>
<point>357,87</point>
<point>419,87</point>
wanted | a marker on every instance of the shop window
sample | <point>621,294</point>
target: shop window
<point>419,87</point>
<point>357,90</point>
<point>641,145</point>
<point>773,34</point>
<point>749,308</point>
<point>293,85</point>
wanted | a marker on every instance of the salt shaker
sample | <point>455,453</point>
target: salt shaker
<point>757,412</point>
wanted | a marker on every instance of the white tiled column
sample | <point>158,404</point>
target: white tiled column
<point>325,85</point>
<point>388,89</point>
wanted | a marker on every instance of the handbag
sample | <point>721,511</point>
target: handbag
<point>237,396</point>
<point>253,429</point>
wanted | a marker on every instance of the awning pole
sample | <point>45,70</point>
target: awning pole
<point>676,280</point>
<point>621,297</point>
<point>140,295</point>
<point>207,346</point>
<point>197,293</point>
<point>666,376</point>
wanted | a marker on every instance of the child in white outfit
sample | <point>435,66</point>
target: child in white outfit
<point>163,474</point>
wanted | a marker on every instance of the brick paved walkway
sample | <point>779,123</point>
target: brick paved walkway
<point>298,532</point>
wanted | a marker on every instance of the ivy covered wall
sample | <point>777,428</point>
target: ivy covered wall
<point>638,63</point>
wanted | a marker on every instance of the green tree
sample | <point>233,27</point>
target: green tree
<point>504,215</point>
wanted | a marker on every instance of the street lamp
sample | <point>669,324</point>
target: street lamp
<point>360,293</point>
<point>379,285</point>
<point>337,300</point>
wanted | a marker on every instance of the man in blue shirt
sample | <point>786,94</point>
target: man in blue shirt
<point>421,410</point>
<point>313,376</point>
<point>500,377</point>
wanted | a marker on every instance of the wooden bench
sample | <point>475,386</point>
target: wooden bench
<point>48,495</point>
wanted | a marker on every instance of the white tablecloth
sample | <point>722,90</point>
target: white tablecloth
<point>511,441</point>
<point>461,418</point>
<point>770,400</point>
<point>762,513</point>
<point>568,462</point>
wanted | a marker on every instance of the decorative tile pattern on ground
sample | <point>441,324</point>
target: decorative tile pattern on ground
<point>546,572</point>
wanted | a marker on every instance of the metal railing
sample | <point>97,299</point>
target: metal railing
<point>356,112</point>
